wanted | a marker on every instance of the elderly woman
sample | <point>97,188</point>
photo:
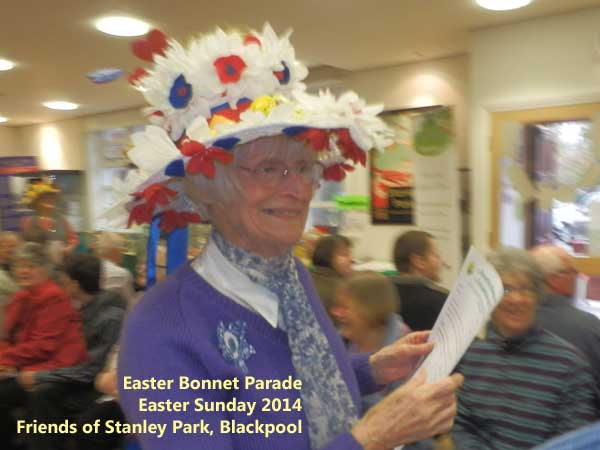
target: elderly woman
<point>235,350</point>
<point>42,331</point>
<point>523,384</point>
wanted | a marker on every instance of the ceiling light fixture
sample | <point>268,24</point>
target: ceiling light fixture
<point>5,64</point>
<point>502,5</point>
<point>3,119</point>
<point>122,26</point>
<point>63,106</point>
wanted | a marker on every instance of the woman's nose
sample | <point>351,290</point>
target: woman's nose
<point>293,184</point>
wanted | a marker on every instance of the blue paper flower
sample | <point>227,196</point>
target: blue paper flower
<point>181,93</point>
<point>283,76</point>
<point>233,345</point>
<point>105,75</point>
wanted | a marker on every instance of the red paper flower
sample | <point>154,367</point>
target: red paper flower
<point>172,219</point>
<point>349,148</point>
<point>140,214</point>
<point>318,139</point>
<point>154,43</point>
<point>156,194</point>
<point>202,158</point>
<point>337,172</point>
<point>136,76</point>
<point>229,68</point>
<point>251,39</point>
<point>190,217</point>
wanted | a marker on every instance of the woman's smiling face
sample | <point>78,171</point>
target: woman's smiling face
<point>267,218</point>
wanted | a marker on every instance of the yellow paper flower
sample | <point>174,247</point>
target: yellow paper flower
<point>264,104</point>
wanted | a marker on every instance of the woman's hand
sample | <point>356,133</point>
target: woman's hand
<point>399,360</point>
<point>413,412</point>
<point>106,382</point>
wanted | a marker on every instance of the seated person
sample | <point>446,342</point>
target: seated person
<point>110,247</point>
<point>365,306</point>
<point>331,262</point>
<point>523,384</point>
<point>104,408</point>
<point>7,285</point>
<point>66,392</point>
<point>42,332</point>
<point>417,259</point>
<point>558,314</point>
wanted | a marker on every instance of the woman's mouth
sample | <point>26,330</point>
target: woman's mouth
<point>282,212</point>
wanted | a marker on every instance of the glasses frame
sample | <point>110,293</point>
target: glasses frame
<point>283,170</point>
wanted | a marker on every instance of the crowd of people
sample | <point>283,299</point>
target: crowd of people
<point>531,374</point>
<point>247,153</point>
<point>60,324</point>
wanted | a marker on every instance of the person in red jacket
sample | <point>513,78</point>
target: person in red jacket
<point>42,331</point>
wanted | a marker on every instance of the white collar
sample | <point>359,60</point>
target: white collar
<point>229,281</point>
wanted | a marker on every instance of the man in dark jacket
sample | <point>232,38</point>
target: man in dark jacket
<point>421,299</point>
<point>63,393</point>
<point>557,312</point>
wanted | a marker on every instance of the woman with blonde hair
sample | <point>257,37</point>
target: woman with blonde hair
<point>365,309</point>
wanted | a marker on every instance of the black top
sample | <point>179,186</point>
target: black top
<point>421,301</point>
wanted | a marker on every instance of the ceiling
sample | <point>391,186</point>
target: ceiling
<point>55,43</point>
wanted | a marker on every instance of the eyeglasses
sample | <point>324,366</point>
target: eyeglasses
<point>526,290</point>
<point>273,173</point>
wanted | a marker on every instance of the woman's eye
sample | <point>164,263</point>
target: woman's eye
<point>269,170</point>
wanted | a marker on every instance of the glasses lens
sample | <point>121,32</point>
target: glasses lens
<point>272,173</point>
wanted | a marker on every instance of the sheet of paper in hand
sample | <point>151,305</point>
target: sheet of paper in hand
<point>476,292</point>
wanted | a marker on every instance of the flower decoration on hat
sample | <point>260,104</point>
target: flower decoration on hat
<point>225,89</point>
<point>36,189</point>
<point>287,70</point>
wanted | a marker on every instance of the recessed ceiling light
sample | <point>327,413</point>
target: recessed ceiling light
<point>3,119</point>
<point>63,106</point>
<point>5,64</point>
<point>502,5</point>
<point>122,26</point>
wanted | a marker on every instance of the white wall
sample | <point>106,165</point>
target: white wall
<point>544,62</point>
<point>437,82</point>
<point>62,145</point>
<point>9,142</point>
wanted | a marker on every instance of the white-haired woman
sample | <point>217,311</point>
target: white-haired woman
<point>235,349</point>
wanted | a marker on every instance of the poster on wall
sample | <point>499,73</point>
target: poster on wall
<point>392,176</point>
<point>10,209</point>
<point>415,181</point>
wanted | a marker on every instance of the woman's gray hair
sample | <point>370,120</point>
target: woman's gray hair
<point>34,253</point>
<point>226,186</point>
<point>515,261</point>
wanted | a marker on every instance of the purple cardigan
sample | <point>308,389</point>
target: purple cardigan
<point>172,332</point>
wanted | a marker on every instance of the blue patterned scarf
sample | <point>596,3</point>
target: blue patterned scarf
<point>327,403</point>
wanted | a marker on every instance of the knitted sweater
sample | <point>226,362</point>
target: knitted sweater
<point>174,332</point>
<point>521,392</point>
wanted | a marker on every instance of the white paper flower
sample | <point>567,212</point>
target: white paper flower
<point>152,149</point>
